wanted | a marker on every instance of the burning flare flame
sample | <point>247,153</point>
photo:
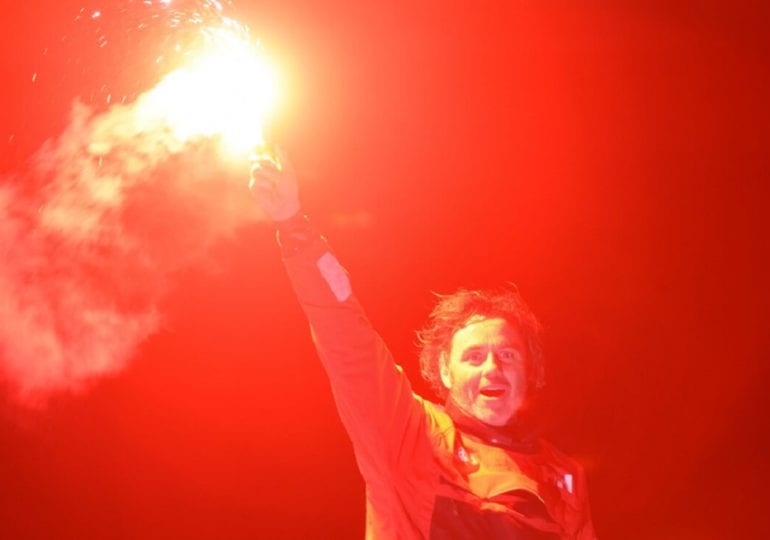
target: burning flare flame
<point>225,91</point>
<point>107,212</point>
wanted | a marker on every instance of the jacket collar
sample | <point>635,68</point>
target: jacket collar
<point>516,435</point>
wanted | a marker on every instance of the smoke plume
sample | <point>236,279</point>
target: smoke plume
<point>91,233</point>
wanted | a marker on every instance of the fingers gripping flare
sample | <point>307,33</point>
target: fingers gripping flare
<point>273,183</point>
<point>264,161</point>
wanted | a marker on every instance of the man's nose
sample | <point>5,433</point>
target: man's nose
<point>492,361</point>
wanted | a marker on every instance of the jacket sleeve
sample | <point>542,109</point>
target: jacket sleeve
<point>586,529</point>
<point>373,396</point>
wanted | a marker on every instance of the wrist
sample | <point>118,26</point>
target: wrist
<point>288,217</point>
<point>296,233</point>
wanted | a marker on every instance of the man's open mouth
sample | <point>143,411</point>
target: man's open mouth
<point>492,392</point>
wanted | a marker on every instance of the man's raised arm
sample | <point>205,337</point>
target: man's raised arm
<point>373,396</point>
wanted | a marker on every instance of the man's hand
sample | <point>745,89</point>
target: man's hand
<point>274,185</point>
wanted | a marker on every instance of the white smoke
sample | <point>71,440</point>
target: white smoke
<point>90,235</point>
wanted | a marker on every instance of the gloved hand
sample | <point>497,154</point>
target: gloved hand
<point>274,184</point>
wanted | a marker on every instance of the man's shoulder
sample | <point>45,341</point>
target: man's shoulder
<point>435,412</point>
<point>559,458</point>
<point>440,424</point>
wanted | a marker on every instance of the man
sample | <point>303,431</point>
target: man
<point>468,469</point>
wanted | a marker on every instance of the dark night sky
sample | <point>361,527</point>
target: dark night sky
<point>610,158</point>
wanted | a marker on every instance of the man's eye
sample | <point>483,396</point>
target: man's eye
<point>509,356</point>
<point>474,357</point>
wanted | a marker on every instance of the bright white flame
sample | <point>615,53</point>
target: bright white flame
<point>227,91</point>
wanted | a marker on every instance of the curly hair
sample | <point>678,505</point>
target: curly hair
<point>454,311</point>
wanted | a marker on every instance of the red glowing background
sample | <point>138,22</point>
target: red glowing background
<point>611,160</point>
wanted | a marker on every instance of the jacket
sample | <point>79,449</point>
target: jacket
<point>429,471</point>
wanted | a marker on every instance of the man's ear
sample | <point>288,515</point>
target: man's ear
<point>443,369</point>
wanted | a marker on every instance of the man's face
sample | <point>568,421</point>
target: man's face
<point>486,372</point>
